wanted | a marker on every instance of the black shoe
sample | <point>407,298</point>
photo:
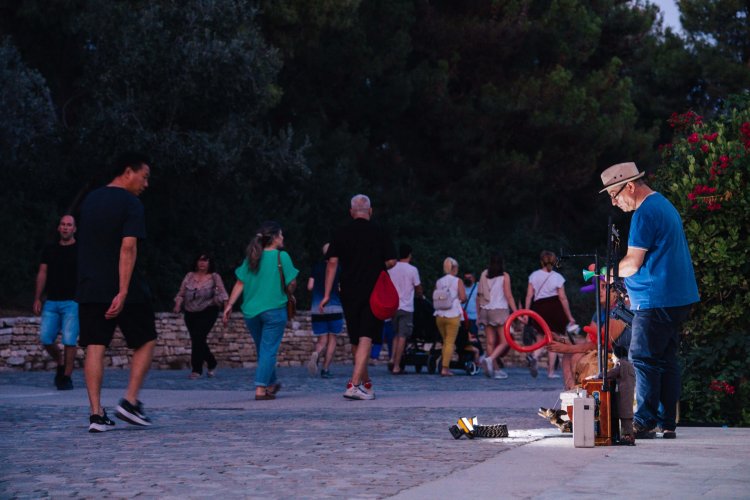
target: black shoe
<point>131,413</point>
<point>642,433</point>
<point>59,374</point>
<point>65,384</point>
<point>100,423</point>
<point>668,434</point>
<point>325,374</point>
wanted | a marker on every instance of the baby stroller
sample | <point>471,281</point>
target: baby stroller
<point>419,347</point>
<point>465,359</point>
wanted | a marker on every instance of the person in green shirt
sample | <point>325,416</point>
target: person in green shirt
<point>259,280</point>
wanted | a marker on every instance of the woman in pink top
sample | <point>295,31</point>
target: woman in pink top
<point>202,295</point>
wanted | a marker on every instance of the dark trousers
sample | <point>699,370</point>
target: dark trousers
<point>199,324</point>
<point>653,351</point>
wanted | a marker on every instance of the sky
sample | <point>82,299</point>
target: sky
<point>671,13</point>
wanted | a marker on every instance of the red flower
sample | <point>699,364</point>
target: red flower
<point>722,386</point>
<point>691,196</point>
<point>704,148</point>
<point>711,137</point>
<point>693,138</point>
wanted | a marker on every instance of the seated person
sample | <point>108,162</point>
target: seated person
<point>584,364</point>
<point>474,346</point>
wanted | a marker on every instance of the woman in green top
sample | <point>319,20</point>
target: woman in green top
<point>264,301</point>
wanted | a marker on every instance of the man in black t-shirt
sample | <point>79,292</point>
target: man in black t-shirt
<point>364,250</point>
<point>111,292</point>
<point>57,276</point>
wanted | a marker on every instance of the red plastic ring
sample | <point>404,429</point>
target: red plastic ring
<point>533,315</point>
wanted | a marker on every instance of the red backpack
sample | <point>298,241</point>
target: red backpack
<point>384,297</point>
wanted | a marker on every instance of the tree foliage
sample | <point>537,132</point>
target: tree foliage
<point>474,126</point>
<point>29,143</point>
<point>718,33</point>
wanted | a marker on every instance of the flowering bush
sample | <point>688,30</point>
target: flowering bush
<point>704,172</point>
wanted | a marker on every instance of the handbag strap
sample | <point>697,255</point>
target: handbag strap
<point>281,274</point>
<point>466,304</point>
<point>540,288</point>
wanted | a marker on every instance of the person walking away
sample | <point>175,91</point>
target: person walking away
<point>264,301</point>
<point>405,278</point>
<point>364,250</point>
<point>326,324</point>
<point>111,291</point>
<point>448,311</point>
<point>494,298</point>
<point>546,296</point>
<point>661,285</point>
<point>470,305</point>
<point>201,296</point>
<point>57,276</point>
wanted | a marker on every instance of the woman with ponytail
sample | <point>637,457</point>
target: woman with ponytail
<point>259,280</point>
<point>546,296</point>
<point>494,300</point>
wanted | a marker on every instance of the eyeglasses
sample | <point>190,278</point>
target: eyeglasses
<point>614,197</point>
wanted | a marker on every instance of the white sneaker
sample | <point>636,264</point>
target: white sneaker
<point>553,375</point>
<point>367,387</point>
<point>312,364</point>
<point>500,374</point>
<point>358,392</point>
<point>489,370</point>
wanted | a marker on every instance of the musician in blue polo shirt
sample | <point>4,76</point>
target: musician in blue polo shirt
<point>659,276</point>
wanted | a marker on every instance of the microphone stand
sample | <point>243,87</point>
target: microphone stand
<point>613,246</point>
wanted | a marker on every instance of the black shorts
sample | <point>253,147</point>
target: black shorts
<point>360,322</point>
<point>136,321</point>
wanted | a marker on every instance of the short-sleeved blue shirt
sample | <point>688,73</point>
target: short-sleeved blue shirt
<point>319,289</point>
<point>666,277</point>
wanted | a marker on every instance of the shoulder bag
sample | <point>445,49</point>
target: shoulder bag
<point>291,302</point>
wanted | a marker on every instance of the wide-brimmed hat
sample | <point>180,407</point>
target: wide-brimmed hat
<point>620,174</point>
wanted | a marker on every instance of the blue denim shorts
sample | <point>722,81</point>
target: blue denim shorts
<point>59,316</point>
<point>327,323</point>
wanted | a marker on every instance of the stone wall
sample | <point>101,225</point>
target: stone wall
<point>20,348</point>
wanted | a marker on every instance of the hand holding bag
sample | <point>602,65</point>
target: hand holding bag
<point>291,302</point>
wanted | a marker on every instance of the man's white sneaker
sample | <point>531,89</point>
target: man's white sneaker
<point>500,374</point>
<point>367,387</point>
<point>358,392</point>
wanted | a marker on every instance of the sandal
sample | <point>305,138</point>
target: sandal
<point>264,397</point>
<point>273,389</point>
<point>194,376</point>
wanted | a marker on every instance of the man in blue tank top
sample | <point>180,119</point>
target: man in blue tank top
<point>659,276</point>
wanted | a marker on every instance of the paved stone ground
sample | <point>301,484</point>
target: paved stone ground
<point>210,438</point>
